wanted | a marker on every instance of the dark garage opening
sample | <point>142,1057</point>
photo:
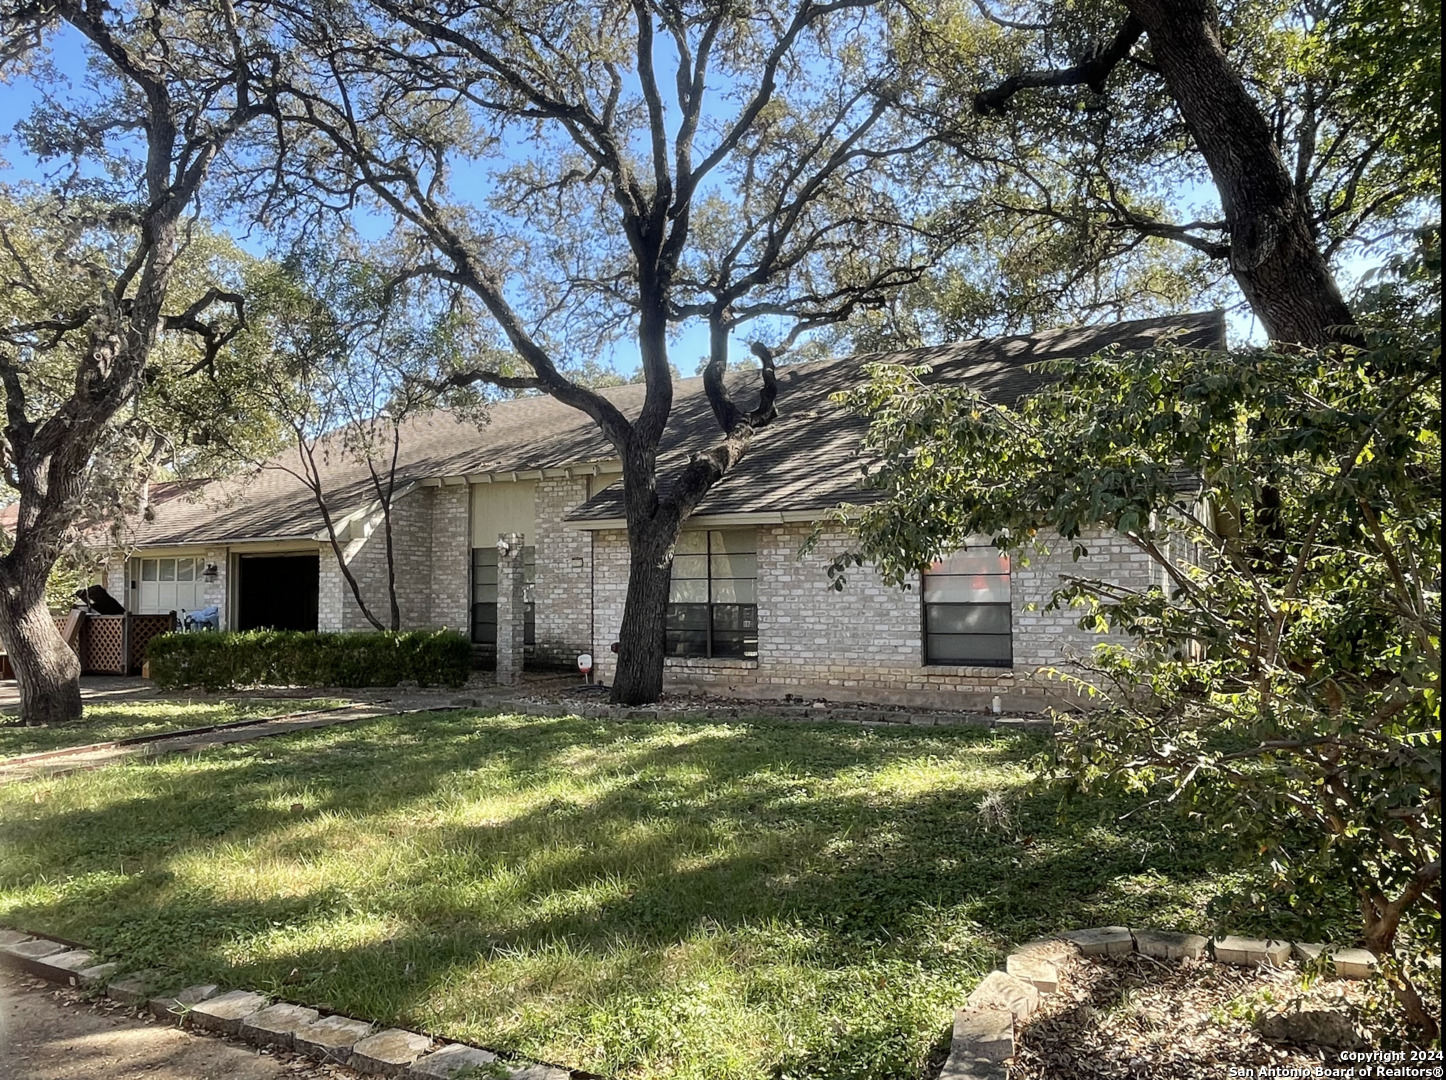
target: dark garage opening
<point>277,592</point>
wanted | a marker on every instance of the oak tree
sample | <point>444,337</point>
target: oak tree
<point>173,85</point>
<point>1282,676</point>
<point>1116,114</point>
<point>607,172</point>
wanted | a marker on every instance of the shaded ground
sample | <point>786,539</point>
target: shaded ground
<point>119,707</point>
<point>1136,1018</point>
<point>48,1033</point>
<point>92,688</point>
<point>183,742</point>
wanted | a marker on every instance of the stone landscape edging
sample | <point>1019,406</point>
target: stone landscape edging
<point>265,1022</point>
<point>983,1033</point>
<point>985,1027</point>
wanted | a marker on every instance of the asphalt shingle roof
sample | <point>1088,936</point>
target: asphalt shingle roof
<point>805,460</point>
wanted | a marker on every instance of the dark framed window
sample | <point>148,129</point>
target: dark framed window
<point>484,595</point>
<point>713,601</point>
<point>967,614</point>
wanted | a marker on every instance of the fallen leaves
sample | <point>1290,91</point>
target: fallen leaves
<point>1136,1018</point>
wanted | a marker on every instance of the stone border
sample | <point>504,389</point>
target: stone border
<point>984,1029</point>
<point>256,1019</point>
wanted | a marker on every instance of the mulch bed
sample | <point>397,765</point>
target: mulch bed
<point>1138,1018</point>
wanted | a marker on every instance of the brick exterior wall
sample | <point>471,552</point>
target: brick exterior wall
<point>564,575</point>
<point>865,643</point>
<point>451,558</point>
<point>116,579</point>
<point>610,589</point>
<point>216,590</point>
<point>431,548</point>
<point>412,552</point>
<point>861,644</point>
<point>333,595</point>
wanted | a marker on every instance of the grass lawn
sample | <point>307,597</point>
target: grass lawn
<point>104,721</point>
<point>641,899</point>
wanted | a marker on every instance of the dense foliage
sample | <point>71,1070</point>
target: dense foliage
<point>190,416</point>
<point>1285,686</point>
<point>297,658</point>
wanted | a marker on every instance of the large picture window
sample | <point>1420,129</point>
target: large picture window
<point>484,595</point>
<point>713,601</point>
<point>164,585</point>
<point>967,618</point>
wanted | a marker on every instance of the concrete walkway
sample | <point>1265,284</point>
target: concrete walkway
<point>49,1033</point>
<point>363,704</point>
<point>75,759</point>
<point>92,688</point>
<point>538,694</point>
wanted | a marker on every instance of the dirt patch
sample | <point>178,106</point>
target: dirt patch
<point>1135,1018</point>
<point>50,1033</point>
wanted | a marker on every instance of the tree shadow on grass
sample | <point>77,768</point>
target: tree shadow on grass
<point>631,858</point>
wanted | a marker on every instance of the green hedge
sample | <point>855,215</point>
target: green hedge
<point>221,661</point>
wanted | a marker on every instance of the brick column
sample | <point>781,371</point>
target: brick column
<point>511,627</point>
<point>451,558</point>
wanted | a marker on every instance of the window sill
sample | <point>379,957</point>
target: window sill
<point>726,662</point>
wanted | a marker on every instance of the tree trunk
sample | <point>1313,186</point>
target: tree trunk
<point>1273,251</point>
<point>1382,920</point>
<point>47,671</point>
<point>639,678</point>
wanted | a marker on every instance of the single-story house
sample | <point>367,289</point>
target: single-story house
<point>751,617</point>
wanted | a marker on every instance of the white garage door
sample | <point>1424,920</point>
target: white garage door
<point>170,584</point>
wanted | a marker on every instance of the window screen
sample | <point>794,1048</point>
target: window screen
<point>713,601</point>
<point>484,595</point>
<point>967,617</point>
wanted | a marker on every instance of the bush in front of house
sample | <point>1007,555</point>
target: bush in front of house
<point>221,661</point>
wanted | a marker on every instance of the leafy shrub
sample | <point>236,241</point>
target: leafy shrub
<point>1285,688</point>
<point>301,658</point>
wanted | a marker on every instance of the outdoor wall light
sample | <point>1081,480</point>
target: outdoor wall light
<point>211,573</point>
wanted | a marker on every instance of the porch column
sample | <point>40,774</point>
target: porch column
<point>510,611</point>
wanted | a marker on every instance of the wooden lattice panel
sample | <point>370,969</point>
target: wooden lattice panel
<point>102,645</point>
<point>62,626</point>
<point>143,628</point>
